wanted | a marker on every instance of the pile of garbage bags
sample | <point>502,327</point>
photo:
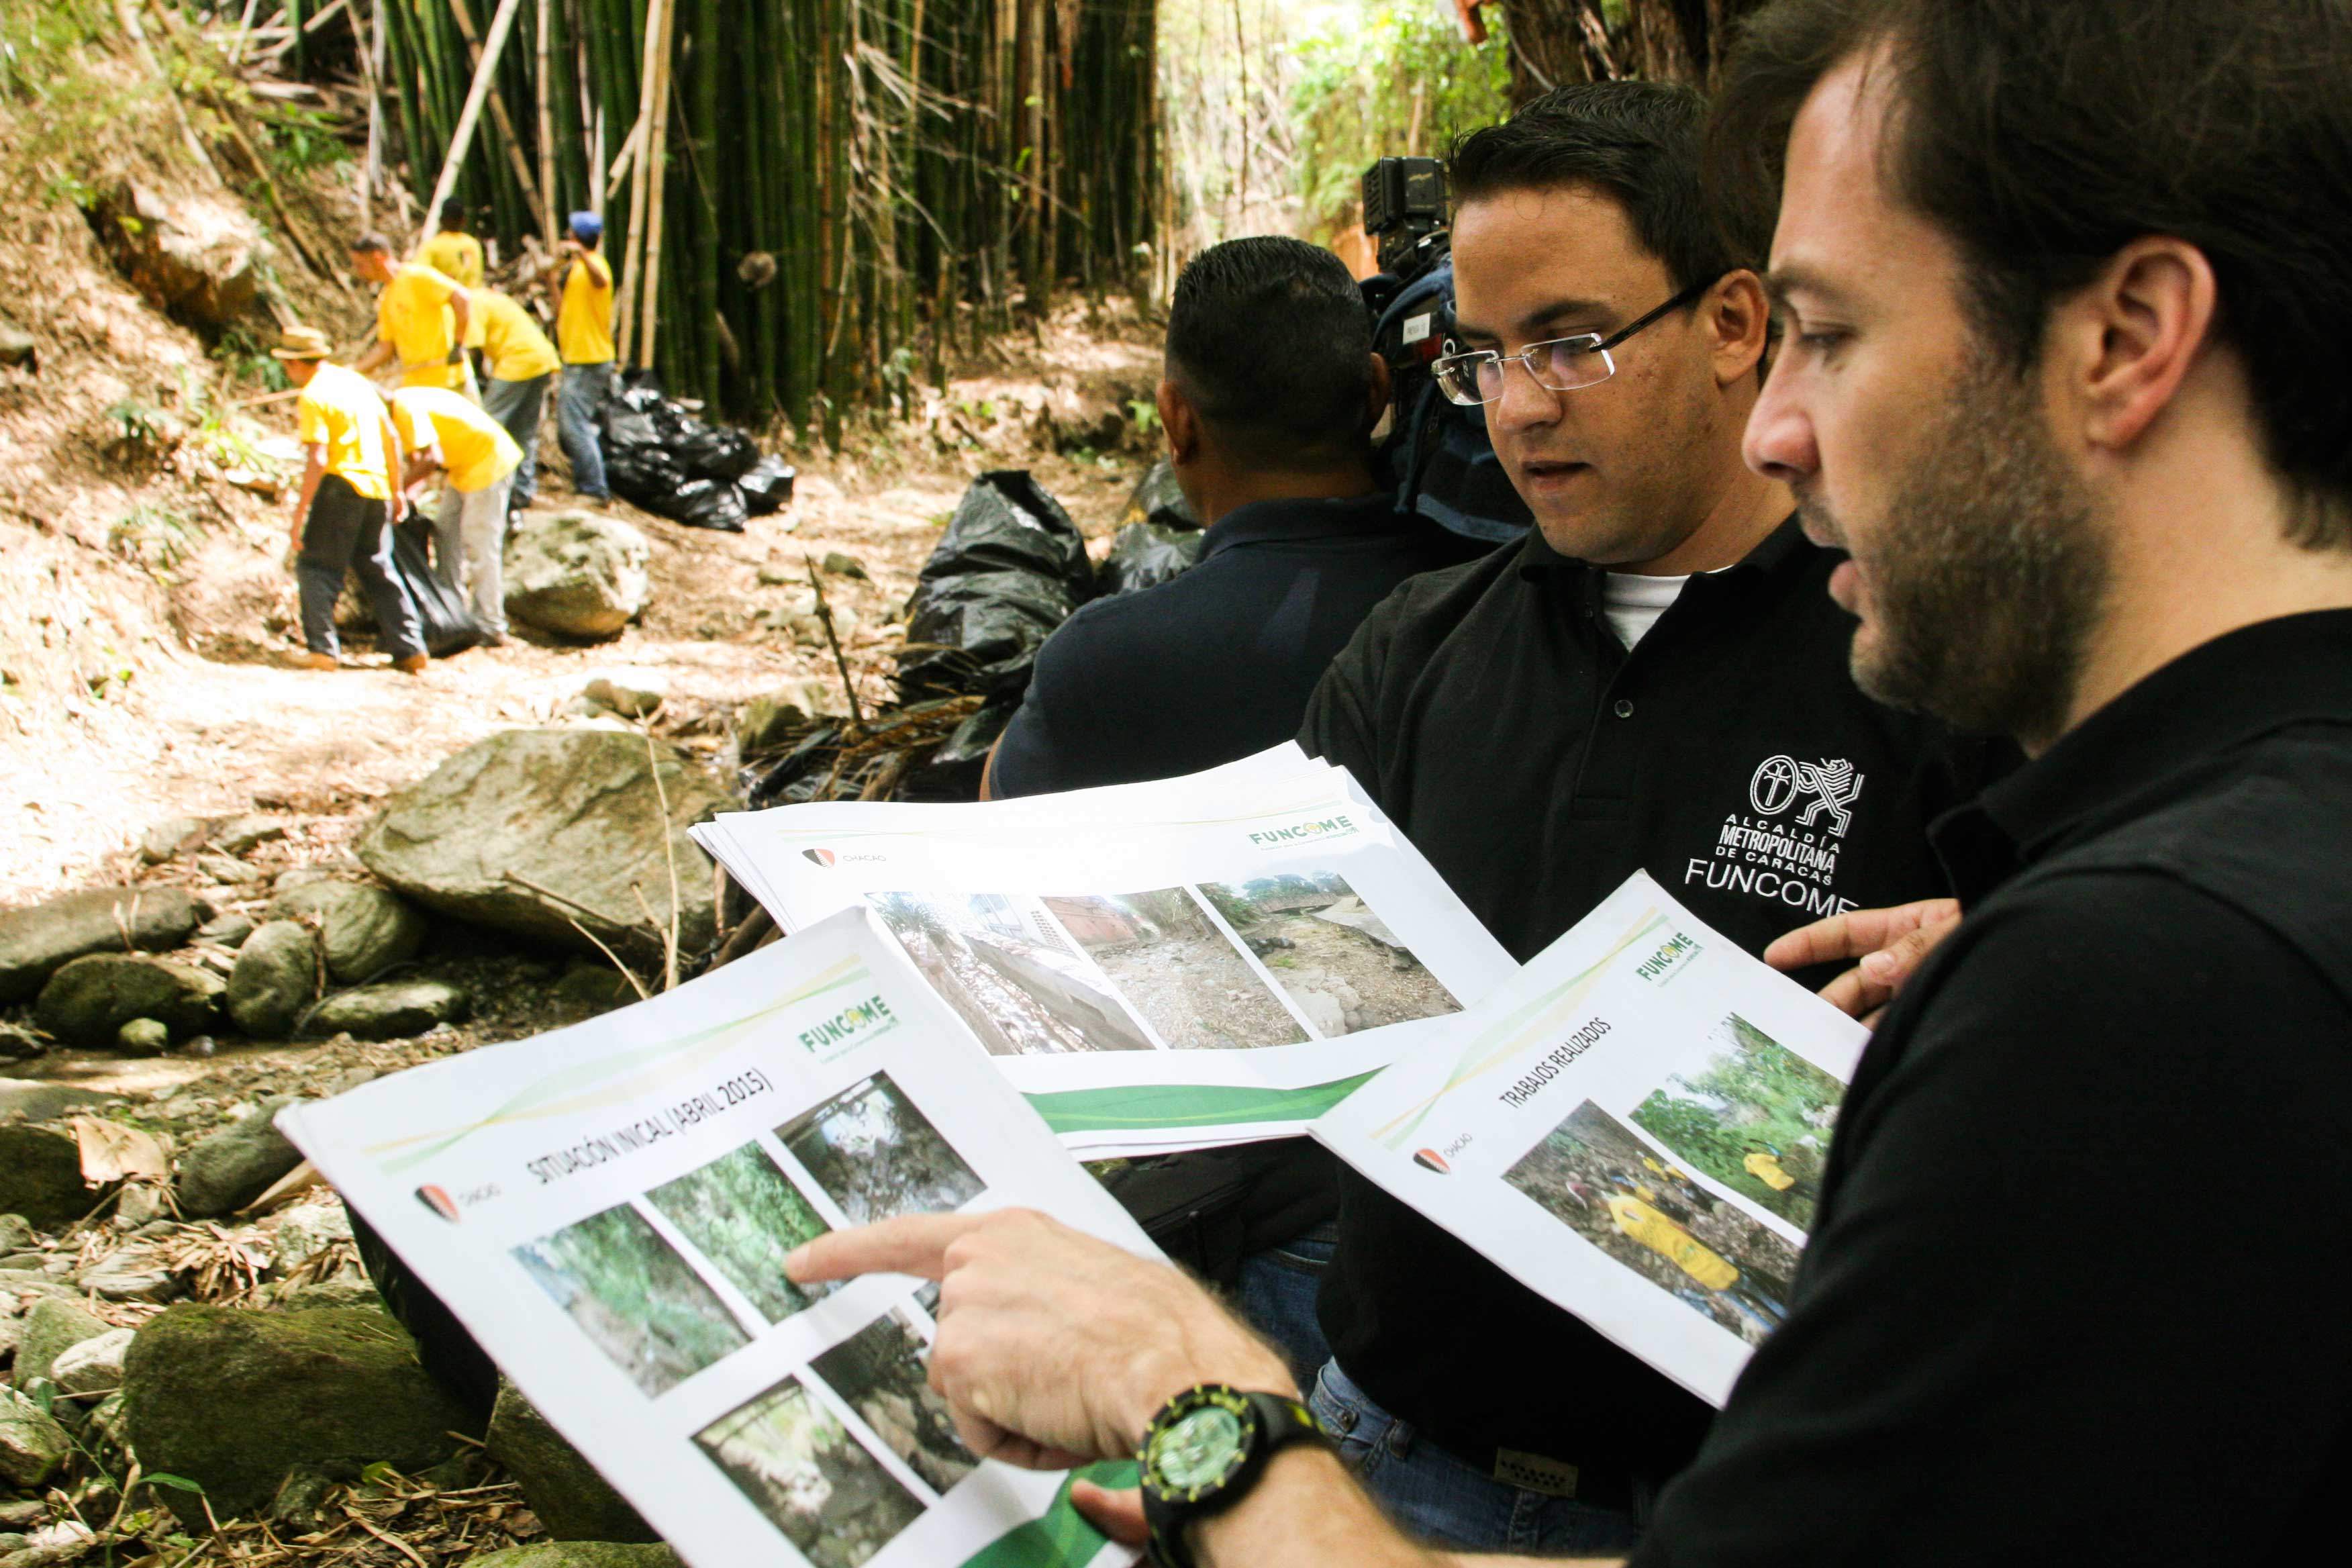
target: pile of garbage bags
<point>661,457</point>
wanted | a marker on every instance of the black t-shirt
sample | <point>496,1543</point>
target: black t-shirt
<point>2075,1288</point>
<point>1218,663</point>
<point>1495,716</point>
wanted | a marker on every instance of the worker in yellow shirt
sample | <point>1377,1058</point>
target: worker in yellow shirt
<point>453,252</point>
<point>477,460</point>
<point>583,335</point>
<point>421,317</point>
<point>1645,1226</point>
<point>520,360</point>
<point>342,518</point>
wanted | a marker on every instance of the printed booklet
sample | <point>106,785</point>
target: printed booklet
<point>1634,1127</point>
<point>608,1207</point>
<point>1180,964</point>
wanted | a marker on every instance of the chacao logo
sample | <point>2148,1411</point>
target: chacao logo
<point>822,856</point>
<point>1431,1160</point>
<point>1296,832</point>
<point>440,1202</point>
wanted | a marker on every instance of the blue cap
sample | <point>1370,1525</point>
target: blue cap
<point>587,228</point>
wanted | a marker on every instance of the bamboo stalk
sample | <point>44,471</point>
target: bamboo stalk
<point>546,88</point>
<point>469,117</point>
<point>633,273</point>
<point>507,134</point>
<point>658,159</point>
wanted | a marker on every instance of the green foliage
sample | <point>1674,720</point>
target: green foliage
<point>634,1295</point>
<point>1777,1100</point>
<point>154,538</point>
<point>876,1155</point>
<point>745,1217</point>
<point>58,109</point>
<point>1392,79</point>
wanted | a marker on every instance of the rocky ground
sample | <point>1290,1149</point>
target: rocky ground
<point>224,882</point>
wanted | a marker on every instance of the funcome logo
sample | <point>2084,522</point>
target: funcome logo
<point>1826,788</point>
<point>1336,825</point>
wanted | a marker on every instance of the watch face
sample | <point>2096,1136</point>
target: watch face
<point>1197,1450</point>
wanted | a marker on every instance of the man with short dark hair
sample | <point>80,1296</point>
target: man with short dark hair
<point>422,318</point>
<point>1653,679</point>
<point>2050,278</point>
<point>1268,401</point>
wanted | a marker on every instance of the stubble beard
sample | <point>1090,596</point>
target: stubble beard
<point>1988,571</point>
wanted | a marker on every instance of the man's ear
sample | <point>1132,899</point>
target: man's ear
<point>1377,398</point>
<point>1181,422</point>
<point>1737,319</point>
<point>2127,342</point>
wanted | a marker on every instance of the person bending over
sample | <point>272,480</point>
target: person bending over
<point>342,513</point>
<point>1269,397</point>
<point>422,318</point>
<point>2049,280</point>
<point>477,460</point>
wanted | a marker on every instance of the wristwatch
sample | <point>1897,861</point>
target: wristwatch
<point>1203,1452</point>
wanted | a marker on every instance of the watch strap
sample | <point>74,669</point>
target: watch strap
<point>1277,1422</point>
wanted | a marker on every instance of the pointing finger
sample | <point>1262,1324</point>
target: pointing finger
<point>912,1244</point>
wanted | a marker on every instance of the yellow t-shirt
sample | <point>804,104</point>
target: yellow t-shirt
<point>340,409</point>
<point>1643,1224</point>
<point>412,315</point>
<point>475,447</point>
<point>458,256</point>
<point>1766,1168</point>
<point>584,326</point>
<point>513,348</point>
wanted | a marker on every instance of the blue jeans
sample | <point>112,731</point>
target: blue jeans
<point>518,406</point>
<point>1278,1288</point>
<point>586,389</point>
<point>346,531</point>
<point>1438,1495</point>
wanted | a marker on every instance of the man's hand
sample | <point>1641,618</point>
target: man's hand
<point>1888,944</point>
<point>1053,1348</point>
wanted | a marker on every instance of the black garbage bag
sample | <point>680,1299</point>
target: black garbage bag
<point>1145,555</point>
<point>709,452</point>
<point>768,488</point>
<point>707,504</point>
<point>1156,499</point>
<point>1011,568</point>
<point>446,625</point>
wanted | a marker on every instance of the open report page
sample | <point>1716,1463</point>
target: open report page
<point>608,1207</point>
<point>1187,963</point>
<point>1634,1127</point>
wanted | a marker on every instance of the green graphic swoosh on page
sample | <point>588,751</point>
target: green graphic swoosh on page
<point>616,1079</point>
<point>1060,1537</point>
<point>1141,1107</point>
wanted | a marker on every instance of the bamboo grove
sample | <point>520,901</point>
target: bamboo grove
<point>847,189</point>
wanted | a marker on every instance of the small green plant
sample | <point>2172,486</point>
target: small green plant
<point>249,361</point>
<point>154,538</point>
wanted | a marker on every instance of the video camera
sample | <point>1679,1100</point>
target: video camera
<point>1436,454</point>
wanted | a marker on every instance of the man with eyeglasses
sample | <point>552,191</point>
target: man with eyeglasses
<point>1655,679</point>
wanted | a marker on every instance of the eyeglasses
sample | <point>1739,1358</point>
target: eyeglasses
<point>1557,364</point>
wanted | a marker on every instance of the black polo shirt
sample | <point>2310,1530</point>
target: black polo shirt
<point>1493,714</point>
<point>1218,663</point>
<point>2076,1289</point>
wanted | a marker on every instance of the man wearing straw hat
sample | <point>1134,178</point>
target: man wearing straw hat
<point>342,518</point>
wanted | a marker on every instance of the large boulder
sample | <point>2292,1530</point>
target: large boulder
<point>223,1173</point>
<point>35,942</point>
<point>367,930</point>
<point>390,1009</point>
<point>234,1400</point>
<point>196,257</point>
<point>275,977</point>
<point>575,573</point>
<point>52,1328</point>
<point>90,1000</point>
<point>572,813</point>
<point>571,1499</point>
<point>40,1177</point>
